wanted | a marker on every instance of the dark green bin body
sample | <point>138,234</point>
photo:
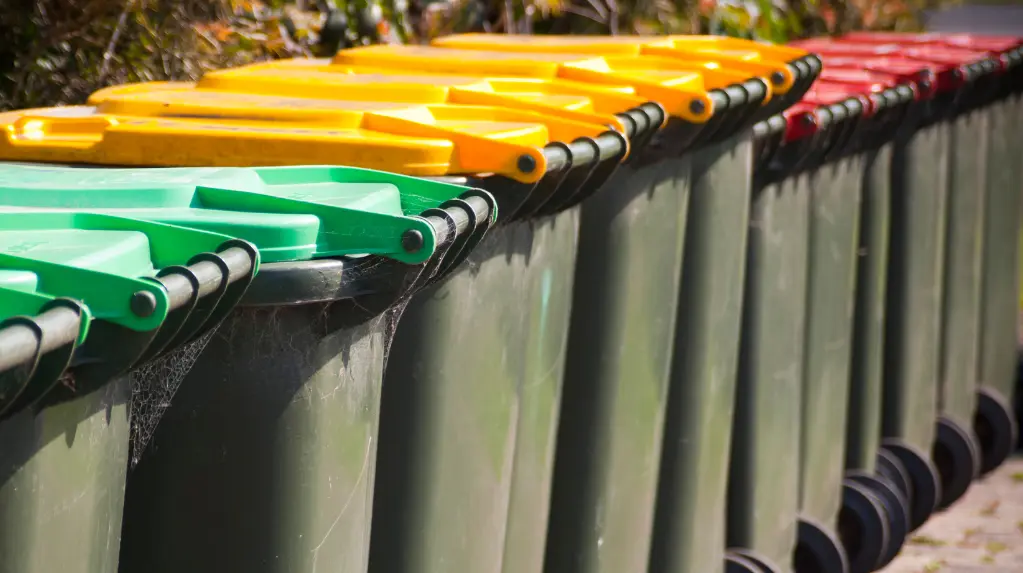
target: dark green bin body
<point>1000,282</point>
<point>866,384</point>
<point>616,381</point>
<point>275,429</point>
<point>463,355</point>
<point>62,472</point>
<point>763,497</point>
<point>834,243</point>
<point>919,201</point>
<point>690,528</point>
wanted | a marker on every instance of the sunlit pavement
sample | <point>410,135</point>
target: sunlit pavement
<point>982,533</point>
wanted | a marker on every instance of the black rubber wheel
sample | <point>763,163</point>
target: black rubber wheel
<point>896,506</point>
<point>995,425</point>
<point>957,457</point>
<point>765,564</point>
<point>739,564</point>
<point>889,466</point>
<point>863,527</point>
<point>925,483</point>
<point>818,550</point>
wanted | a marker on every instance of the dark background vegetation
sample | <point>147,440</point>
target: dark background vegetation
<point>59,51</point>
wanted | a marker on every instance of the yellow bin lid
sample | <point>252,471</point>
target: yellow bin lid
<point>569,100</point>
<point>168,127</point>
<point>748,59</point>
<point>682,92</point>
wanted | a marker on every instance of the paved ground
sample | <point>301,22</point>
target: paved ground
<point>983,533</point>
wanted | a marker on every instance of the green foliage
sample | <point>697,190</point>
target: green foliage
<point>59,51</point>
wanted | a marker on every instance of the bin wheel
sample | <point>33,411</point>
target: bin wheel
<point>739,564</point>
<point>763,563</point>
<point>995,425</point>
<point>863,527</point>
<point>818,550</point>
<point>889,466</point>
<point>896,505</point>
<point>925,483</point>
<point>957,457</point>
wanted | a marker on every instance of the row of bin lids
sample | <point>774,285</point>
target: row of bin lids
<point>271,93</point>
<point>138,101</point>
<point>501,107</point>
<point>147,250</point>
<point>512,95</point>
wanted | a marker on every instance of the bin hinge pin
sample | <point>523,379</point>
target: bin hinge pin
<point>411,241</point>
<point>526,163</point>
<point>143,303</point>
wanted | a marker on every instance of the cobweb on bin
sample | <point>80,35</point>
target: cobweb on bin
<point>153,386</point>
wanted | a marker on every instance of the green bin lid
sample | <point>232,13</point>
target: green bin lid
<point>288,213</point>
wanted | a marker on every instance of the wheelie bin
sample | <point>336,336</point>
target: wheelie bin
<point>426,372</point>
<point>623,311</point>
<point>971,117</point>
<point>762,502</point>
<point>348,535</point>
<point>85,296</point>
<point>993,421</point>
<point>916,269</point>
<point>789,507</point>
<point>713,267</point>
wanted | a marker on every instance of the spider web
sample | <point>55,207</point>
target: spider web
<point>153,386</point>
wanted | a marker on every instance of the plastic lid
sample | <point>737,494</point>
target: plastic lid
<point>952,56</point>
<point>986,43</point>
<point>829,46</point>
<point>683,93</point>
<point>102,259</point>
<point>768,51</point>
<point>204,128</point>
<point>871,80</point>
<point>288,213</point>
<point>924,76</point>
<point>748,61</point>
<point>569,100</point>
<point>618,44</point>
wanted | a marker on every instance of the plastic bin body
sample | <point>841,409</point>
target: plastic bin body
<point>866,383</point>
<point>462,357</point>
<point>539,395</point>
<point>689,533</point>
<point>915,279</point>
<point>1000,282</point>
<point>834,242</point>
<point>764,480</point>
<point>967,138</point>
<point>62,473</point>
<point>266,455</point>
<point>616,384</point>
<point>994,423</point>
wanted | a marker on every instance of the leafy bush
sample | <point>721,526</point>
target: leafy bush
<point>59,51</point>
